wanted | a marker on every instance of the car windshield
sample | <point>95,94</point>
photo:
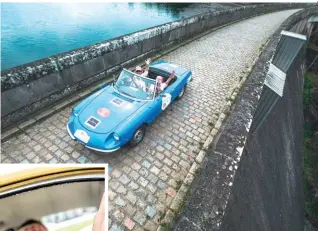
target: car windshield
<point>135,86</point>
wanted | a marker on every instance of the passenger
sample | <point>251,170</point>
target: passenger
<point>160,81</point>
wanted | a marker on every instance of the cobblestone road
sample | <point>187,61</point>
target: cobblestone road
<point>143,181</point>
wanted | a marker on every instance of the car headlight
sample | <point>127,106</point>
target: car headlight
<point>116,136</point>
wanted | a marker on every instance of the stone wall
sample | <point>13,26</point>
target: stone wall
<point>33,86</point>
<point>254,181</point>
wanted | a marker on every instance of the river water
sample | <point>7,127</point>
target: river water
<point>32,31</point>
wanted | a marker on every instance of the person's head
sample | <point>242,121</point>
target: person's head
<point>138,70</point>
<point>32,225</point>
<point>159,79</point>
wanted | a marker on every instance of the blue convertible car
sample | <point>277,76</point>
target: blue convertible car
<point>118,114</point>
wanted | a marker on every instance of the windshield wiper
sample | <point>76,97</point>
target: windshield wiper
<point>114,86</point>
<point>128,95</point>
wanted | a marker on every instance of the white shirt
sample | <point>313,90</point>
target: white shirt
<point>139,83</point>
<point>145,74</point>
<point>162,86</point>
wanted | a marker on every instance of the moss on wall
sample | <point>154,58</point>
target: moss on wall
<point>310,152</point>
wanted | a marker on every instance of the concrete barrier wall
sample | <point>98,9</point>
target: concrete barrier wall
<point>268,186</point>
<point>254,181</point>
<point>270,174</point>
<point>33,86</point>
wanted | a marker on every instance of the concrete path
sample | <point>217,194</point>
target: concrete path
<point>143,181</point>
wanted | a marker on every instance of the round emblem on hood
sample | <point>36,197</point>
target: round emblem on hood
<point>103,112</point>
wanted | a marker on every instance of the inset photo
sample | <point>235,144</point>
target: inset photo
<point>37,197</point>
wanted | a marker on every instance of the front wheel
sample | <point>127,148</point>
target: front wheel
<point>138,136</point>
<point>182,92</point>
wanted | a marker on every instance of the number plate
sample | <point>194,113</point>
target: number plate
<point>166,99</point>
<point>82,135</point>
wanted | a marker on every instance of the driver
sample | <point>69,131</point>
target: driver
<point>160,81</point>
<point>139,83</point>
<point>141,72</point>
<point>151,88</point>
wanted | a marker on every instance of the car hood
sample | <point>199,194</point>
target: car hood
<point>107,110</point>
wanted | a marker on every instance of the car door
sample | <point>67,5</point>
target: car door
<point>154,109</point>
<point>163,100</point>
<point>172,90</point>
<point>159,104</point>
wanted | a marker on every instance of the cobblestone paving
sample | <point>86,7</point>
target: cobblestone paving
<point>144,180</point>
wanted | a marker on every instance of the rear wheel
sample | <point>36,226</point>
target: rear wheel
<point>182,92</point>
<point>138,136</point>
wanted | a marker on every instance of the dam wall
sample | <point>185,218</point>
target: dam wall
<point>251,178</point>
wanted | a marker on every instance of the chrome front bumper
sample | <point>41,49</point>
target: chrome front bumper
<point>95,149</point>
